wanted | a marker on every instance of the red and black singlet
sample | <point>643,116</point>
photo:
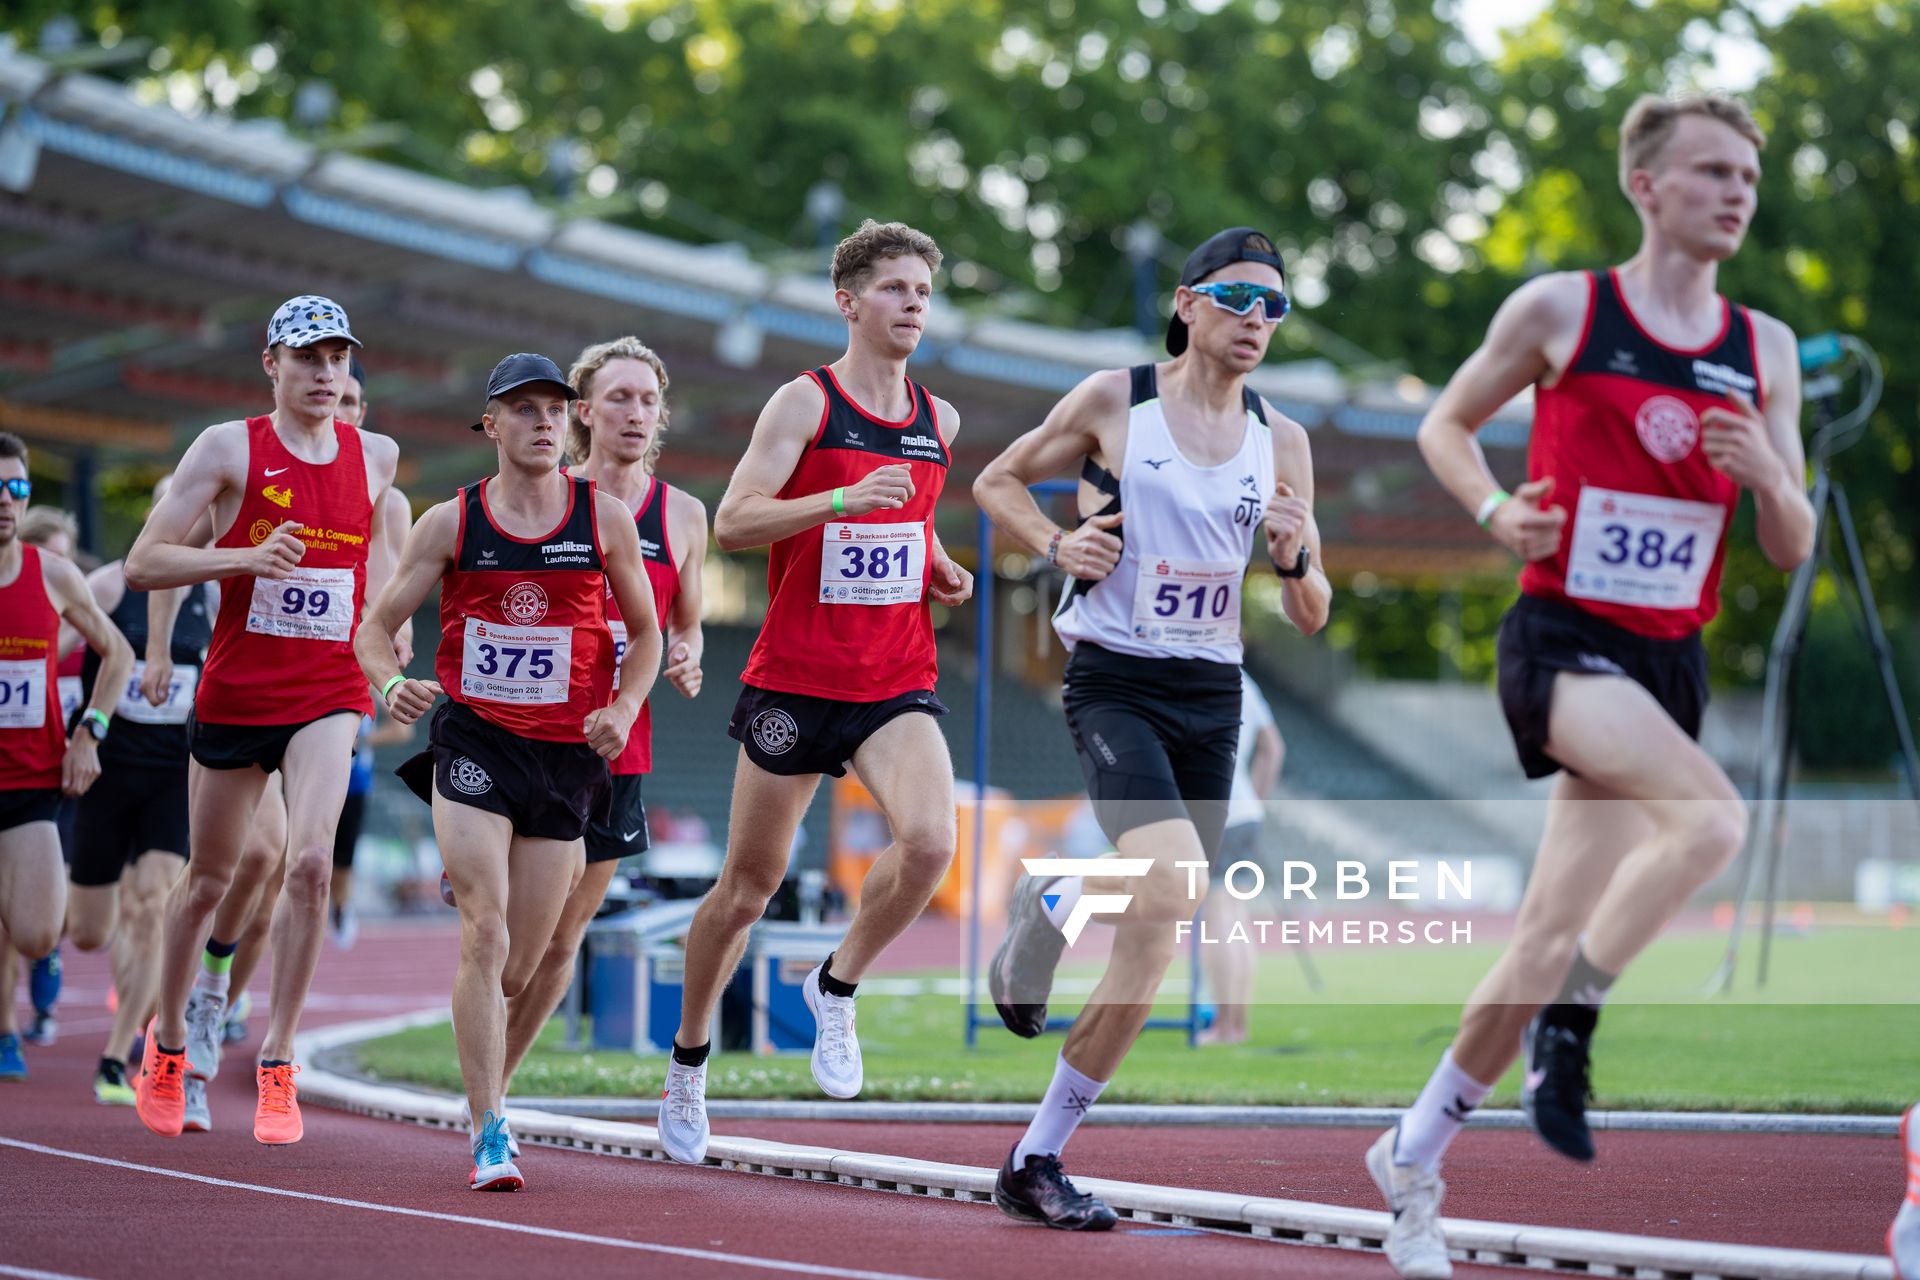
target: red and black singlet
<point>656,554</point>
<point>33,740</point>
<point>523,628</point>
<point>848,616</point>
<point>1620,435</point>
<point>282,650</point>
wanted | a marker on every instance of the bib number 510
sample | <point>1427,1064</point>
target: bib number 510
<point>1171,600</point>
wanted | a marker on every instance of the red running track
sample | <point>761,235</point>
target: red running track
<point>106,1199</point>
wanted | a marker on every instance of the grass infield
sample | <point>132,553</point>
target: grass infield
<point>1835,1031</point>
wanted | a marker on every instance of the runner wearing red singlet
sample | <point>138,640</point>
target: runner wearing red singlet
<point>518,759</point>
<point>298,535</point>
<point>840,479</point>
<point>1657,401</point>
<point>39,760</point>
<point>614,439</point>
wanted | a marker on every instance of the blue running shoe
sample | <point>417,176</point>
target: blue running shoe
<point>493,1167</point>
<point>12,1065</point>
<point>43,987</point>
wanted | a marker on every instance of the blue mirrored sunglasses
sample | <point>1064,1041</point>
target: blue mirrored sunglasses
<point>1240,297</point>
<point>19,489</point>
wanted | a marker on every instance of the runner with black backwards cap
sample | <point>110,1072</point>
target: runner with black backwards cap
<point>297,498</point>
<point>1657,401</point>
<point>841,478</point>
<point>1195,464</point>
<point>39,760</point>
<point>518,762</point>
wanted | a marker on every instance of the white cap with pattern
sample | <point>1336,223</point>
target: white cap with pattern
<point>303,321</point>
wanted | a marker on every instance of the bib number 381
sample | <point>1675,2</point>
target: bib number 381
<point>527,666</point>
<point>872,563</point>
<point>1187,603</point>
<point>1635,549</point>
<point>307,604</point>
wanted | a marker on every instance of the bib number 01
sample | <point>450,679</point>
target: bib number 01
<point>23,693</point>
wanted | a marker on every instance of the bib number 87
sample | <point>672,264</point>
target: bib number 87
<point>298,600</point>
<point>1649,551</point>
<point>1167,600</point>
<point>539,661</point>
<point>875,562</point>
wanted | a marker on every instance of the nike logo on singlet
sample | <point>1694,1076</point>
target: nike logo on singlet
<point>274,471</point>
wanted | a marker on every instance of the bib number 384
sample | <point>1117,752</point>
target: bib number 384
<point>1635,549</point>
<point>527,666</point>
<point>307,604</point>
<point>872,563</point>
<point>1187,603</point>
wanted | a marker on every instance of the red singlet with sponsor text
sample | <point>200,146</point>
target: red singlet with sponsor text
<point>656,553</point>
<point>523,628</point>
<point>33,739</point>
<point>1620,435</point>
<point>282,650</point>
<point>848,617</point>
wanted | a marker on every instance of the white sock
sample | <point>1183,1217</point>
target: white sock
<point>1057,899</point>
<point>212,984</point>
<point>1437,1114</point>
<point>1061,1111</point>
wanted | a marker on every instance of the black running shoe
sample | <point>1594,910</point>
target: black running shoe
<point>1041,1193</point>
<point>1020,978</point>
<point>1557,1089</point>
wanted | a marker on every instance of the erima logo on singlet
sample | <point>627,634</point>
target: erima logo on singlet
<point>1720,379</point>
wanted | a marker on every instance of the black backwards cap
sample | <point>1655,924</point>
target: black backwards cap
<point>518,370</point>
<point>1223,249</point>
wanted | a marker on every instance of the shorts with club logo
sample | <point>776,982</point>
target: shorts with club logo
<point>624,833</point>
<point>548,790</point>
<point>795,733</point>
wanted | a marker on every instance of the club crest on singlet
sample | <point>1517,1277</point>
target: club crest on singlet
<point>1668,428</point>
<point>524,603</point>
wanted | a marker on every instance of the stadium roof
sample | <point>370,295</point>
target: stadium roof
<point>142,250</point>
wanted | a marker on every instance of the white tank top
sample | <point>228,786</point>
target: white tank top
<point>1185,542</point>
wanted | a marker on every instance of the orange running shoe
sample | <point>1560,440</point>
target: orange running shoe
<point>277,1120</point>
<point>159,1095</point>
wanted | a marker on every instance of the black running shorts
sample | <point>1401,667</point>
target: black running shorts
<point>794,733</point>
<point>1541,638</point>
<point>624,833</point>
<point>28,804</point>
<point>548,790</point>
<point>247,746</point>
<point>346,832</point>
<point>127,812</point>
<point>1156,738</point>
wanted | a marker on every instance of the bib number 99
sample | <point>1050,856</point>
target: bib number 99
<point>296,601</point>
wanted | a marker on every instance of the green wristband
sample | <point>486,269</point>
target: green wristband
<point>840,501</point>
<point>387,688</point>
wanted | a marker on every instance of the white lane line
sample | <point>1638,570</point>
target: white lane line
<point>549,1233</point>
<point>28,1273</point>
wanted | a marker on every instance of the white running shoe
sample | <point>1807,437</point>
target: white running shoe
<point>1414,1245</point>
<point>493,1167</point>
<point>197,1118</point>
<point>206,1031</point>
<point>683,1113</point>
<point>836,1049</point>
<point>466,1118</point>
<point>1903,1237</point>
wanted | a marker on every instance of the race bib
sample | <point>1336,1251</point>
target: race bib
<point>527,666</point>
<point>619,630</point>
<point>1633,549</point>
<point>1187,603</point>
<point>23,693</point>
<point>72,692</point>
<point>307,604</point>
<point>135,707</point>
<point>873,563</point>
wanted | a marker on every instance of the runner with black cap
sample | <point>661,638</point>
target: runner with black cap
<point>298,525</point>
<point>1181,465</point>
<point>517,765</point>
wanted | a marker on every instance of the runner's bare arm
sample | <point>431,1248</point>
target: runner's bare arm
<point>106,584</point>
<point>166,554</point>
<point>750,515</point>
<point>1760,449</point>
<point>383,545</point>
<point>163,610</point>
<point>1070,434</point>
<point>1290,525</point>
<point>607,727</point>
<point>686,640</point>
<point>423,562</point>
<point>1538,322</point>
<point>399,524</point>
<point>77,608</point>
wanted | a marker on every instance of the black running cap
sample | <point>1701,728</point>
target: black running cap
<point>1223,249</point>
<point>518,370</point>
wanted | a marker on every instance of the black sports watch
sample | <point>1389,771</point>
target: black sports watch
<point>95,723</point>
<point>1300,565</point>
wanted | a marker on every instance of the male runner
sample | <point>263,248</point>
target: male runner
<point>1258,754</point>
<point>1903,1237</point>
<point>297,503</point>
<point>841,477</point>
<point>518,761</point>
<point>1195,463</point>
<point>39,760</point>
<point>614,438</point>
<point>130,835</point>
<point>1657,401</point>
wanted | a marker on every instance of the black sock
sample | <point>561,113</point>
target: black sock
<point>111,1064</point>
<point>276,1062</point>
<point>691,1057</point>
<point>163,1049</point>
<point>832,985</point>
<point>1585,984</point>
<point>221,950</point>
